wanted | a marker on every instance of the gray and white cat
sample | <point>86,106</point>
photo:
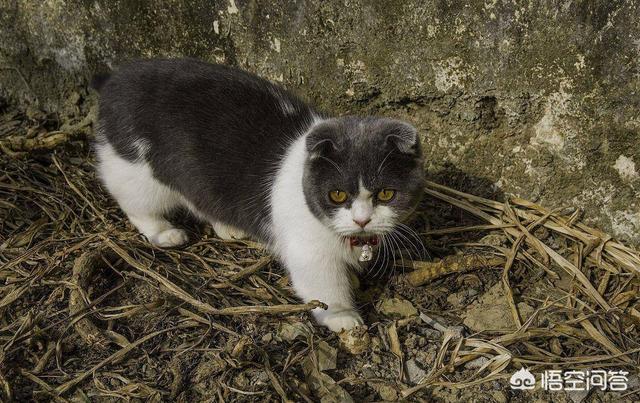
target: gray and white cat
<point>254,160</point>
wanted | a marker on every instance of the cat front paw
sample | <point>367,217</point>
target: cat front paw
<point>337,321</point>
<point>169,238</point>
<point>228,232</point>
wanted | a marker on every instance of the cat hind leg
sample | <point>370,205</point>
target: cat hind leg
<point>228,232</point>
<point>143,198</point>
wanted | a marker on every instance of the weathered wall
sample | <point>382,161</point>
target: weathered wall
<point>539,97</point>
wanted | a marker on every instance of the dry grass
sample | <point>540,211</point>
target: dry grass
<point>90,310</point>
<point>598,318</point>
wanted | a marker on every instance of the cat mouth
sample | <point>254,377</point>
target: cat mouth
<point>360,240</point>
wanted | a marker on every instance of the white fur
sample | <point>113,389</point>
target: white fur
<point>317,259</point>
<point>362,206</point>
<point>144,199</point>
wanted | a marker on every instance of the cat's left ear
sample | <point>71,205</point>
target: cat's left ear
<point>403,136</point>
<point>323,139</point>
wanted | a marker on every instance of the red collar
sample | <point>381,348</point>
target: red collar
<point>360,241</point>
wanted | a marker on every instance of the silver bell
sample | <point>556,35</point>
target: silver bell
<point>366,254</point>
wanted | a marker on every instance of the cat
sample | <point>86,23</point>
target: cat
<point>254,160</point>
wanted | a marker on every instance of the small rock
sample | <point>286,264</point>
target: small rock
<point>397,308</point>
<point>456,299</point>
<point>490,312</point>
<point>355,341</point>
<point>386,392</point>
<point>457,332</point>
<point>432,334</point>
<point>414,372</point>
<point>267,338</point>
<point>555,346</point>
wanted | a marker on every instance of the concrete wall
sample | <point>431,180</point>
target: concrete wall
<point>536,98</point>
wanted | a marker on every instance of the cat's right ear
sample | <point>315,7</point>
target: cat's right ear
<point>323,140</point>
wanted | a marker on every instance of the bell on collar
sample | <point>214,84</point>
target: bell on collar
<point>366,254</point>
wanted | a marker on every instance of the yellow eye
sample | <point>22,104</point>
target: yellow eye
<point>386,195</point>
<point>338,196</point>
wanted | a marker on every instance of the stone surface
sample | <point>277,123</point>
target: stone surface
<point>414,373</point>
<point>397,308</point>
<point>491,312</point>
<point>539,99</point>
<point>356,340</point>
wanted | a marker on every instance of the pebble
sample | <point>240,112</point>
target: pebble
<point>355,341</point>
<point>397,308</point>
<point>414,372</point>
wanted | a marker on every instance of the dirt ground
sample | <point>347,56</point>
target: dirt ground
<point>90,311</point>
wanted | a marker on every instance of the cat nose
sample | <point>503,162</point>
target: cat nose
<point>362,223</point>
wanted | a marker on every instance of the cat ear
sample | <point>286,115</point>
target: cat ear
<point>323,139</point>
<point>403,136</point>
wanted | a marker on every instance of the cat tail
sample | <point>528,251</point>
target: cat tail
<point>99,80</point>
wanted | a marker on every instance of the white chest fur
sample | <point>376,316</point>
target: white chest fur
<point>317,259</point>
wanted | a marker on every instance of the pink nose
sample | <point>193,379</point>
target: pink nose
<point>362,223</point>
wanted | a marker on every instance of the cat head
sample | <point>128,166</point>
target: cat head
<point>363,176</point>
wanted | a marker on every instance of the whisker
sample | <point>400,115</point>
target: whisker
<point>380,252</point>
<point>396,243</point>
<point>377,257</point>
<point>332,163</point>
<point>392,249</point>
<point>381,166</point>
<point>389,255</point>
<point>410,232</point>
<point>411,243</point>
<point>385,258</point>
